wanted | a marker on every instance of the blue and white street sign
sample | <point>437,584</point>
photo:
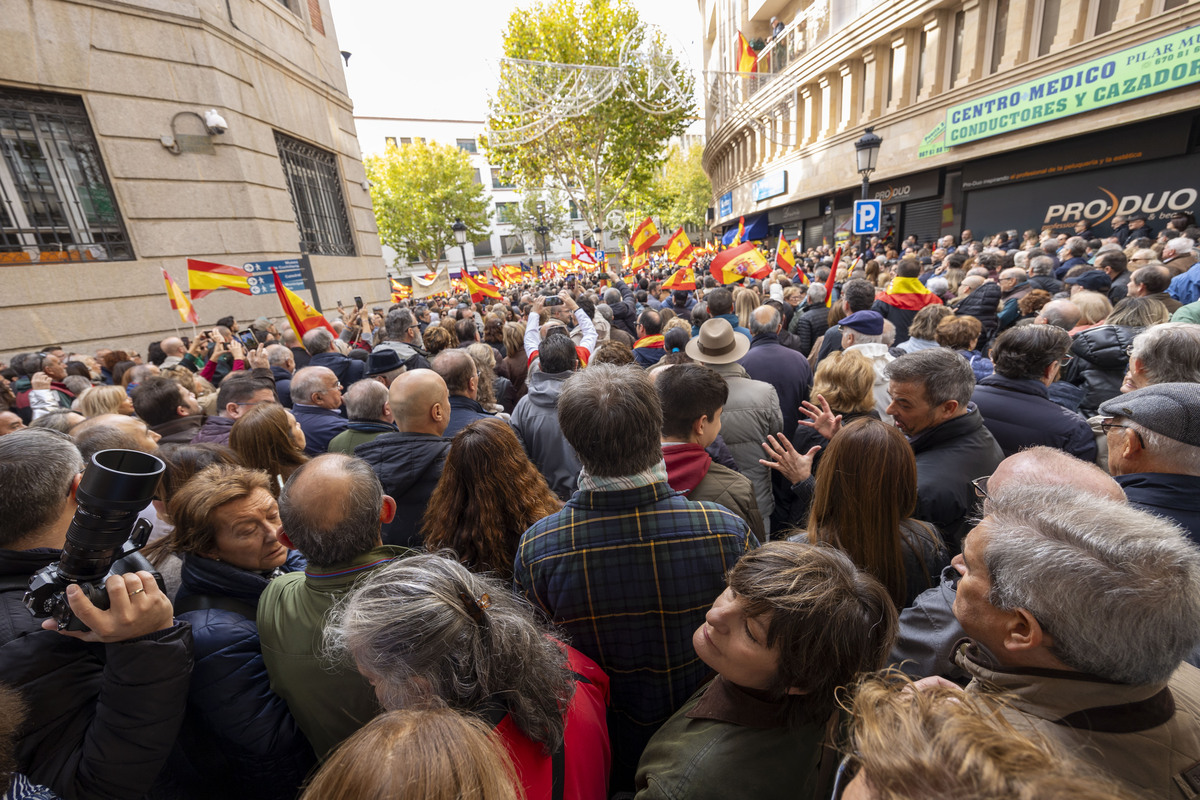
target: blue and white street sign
<point>867,216</point>
<point>260,279</point>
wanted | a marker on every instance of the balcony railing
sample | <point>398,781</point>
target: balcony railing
<point>810,28</point>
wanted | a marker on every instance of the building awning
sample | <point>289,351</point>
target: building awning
<point>756,228</point>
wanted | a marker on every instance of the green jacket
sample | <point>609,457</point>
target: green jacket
<point>359,432</point>
<point>329,701</point>
<point>727,743</point>
<point>1188,313</point>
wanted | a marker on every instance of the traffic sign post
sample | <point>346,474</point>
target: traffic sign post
<point>867,216</point>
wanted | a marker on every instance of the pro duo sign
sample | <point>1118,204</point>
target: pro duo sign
<point>1166,63</point>
<point>1102,209</point>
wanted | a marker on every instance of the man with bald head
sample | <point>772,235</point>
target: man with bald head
<point>174,350</point>
<point>409,462</point>
<point>928,628</point>
<point>458,370</point>
<point>332,509</point>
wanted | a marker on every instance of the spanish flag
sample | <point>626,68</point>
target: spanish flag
<point>837,256</point>
<point>785,259</point>
<point>205,277</point>
<point>741,234</point>
<point>641,260</point>
<point>736,263</point>
<point>909,294</point>
<point>582,253</point>
<point>747,59</point>
<point>684,279</point>
<point>480,288</point>
<point>644,236</point>
<point>300,314</point>
<point>679,249</point>
<point>179,300</point>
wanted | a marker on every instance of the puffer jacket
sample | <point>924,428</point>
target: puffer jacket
<point>535,420</point>
<point>808,327</point>
<point>983,304</point>
<point>409,466</point>
<point>625,312</point>
<point>1020,414</point>
<point>751,412</point>
<point>102,718</point>
<point>1099,363</point>
<point>238,738</point>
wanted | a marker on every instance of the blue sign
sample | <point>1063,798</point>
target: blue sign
<point>867,216</point>
<point>771,185</point>
<point>725,205</point>
<point>261,281</point>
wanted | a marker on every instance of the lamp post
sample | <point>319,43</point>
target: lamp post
<point>598,243</point>
<point>867,151</point>
<point>542,230</point>
<point>460,236</point>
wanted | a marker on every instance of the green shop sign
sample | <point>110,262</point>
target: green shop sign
<point>1156,66</point>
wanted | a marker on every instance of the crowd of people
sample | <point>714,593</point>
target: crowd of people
<point>931,533</point>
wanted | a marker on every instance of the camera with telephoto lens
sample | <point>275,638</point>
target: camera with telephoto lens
<point>104,537</point>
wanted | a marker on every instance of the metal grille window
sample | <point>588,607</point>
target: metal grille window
<point>316,190</point>
<point>56,202</point>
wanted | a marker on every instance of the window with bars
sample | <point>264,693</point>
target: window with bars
<point>316,190</point>
<point>56,202</point>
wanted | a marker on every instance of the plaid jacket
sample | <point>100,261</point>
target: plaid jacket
<point>629,575</point>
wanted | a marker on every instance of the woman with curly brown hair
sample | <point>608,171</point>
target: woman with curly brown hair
<point>489,493</point>
<point>267,437</point>
<point>436,340</point>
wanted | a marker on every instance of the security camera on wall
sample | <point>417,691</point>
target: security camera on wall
<point>215,123</point>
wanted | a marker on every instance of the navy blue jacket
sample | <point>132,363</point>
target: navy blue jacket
<point>785,369</point>
<point>320,425</point>
<point>283,385</point>
<point>1020,414</point>
<point>409,466</point>
<point>1065,267</point>
<point>1170,496</point>
<point>347,369</point>
<point>238,738</point>
<point>463,411</point>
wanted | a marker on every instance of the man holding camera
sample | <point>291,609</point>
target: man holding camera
<point>105,705</point>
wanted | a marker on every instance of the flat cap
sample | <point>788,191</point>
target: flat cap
<point>1169,409</point>
<point>868,322</point>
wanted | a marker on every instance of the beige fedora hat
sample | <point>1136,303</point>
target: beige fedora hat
<point>718,343</point>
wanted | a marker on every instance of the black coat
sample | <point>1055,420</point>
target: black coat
<point>1020,414</point>
<point>982,304</point>
<point>625,312</point>
<point>1046,283</point>
<point>1099,363</point>
<point>949,457</point>
<point>809,326</point>
<point>409,466</point>
<point>102,717</point>
<point>239,737</point>
<point>1167,495</point>
<point>348,370</point>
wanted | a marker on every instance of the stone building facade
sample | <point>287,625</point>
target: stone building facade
<point>109,171</point>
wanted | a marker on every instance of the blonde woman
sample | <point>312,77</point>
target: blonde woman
<point>103,400</point>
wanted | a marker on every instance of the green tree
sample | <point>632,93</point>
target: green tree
<point>418,190</point>
<point>603,156</point>
<point>678,195</point>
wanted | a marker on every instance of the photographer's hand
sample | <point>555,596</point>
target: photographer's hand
<point>40,380</point>
<point>538,303</point>
<point>136,607</point>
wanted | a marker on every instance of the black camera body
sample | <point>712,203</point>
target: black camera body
<point>104,536</point>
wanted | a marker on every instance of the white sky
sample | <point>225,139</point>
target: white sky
<point>436,58</point>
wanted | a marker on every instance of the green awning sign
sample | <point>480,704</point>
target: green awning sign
<point>1156,66</point>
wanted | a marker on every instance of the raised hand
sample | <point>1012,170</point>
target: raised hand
<point>821,419</point>
<point>787,459</point>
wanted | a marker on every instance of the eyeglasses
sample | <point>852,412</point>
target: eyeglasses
<point>1108,426</point>
<point>980,485</point>
<point>1066,359</point>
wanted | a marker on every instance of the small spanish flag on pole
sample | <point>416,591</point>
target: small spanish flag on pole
<point>479,288</point>
<point>747,59</point>
<point>205,277</point>
<point>684,279</point>
<point>679,249</point>
<point>736,263</point>
<point>644,236</point>
<point>832,278</point>
<point>179,301</point>
<point>300,314</point>
<point>785,259</point>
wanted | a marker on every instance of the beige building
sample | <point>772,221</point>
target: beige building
<point>112,166</point>
<point>995,114</point>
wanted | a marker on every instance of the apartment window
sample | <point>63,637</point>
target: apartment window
<point>575,215</point>
<point>956,51</point>
<point>466,145</point>
<point>999,34</point>
<point>316,190</point>
<point>389,141</point>
<point>499,180</point>
<point>1050,14</point>
<point>921,62</point>
<point>506,213</point>
<point>405,140</point>
<point>891,73</point>
<point>483,248</point>
<point>1106,15</point>
<point>512,245</point>
<point>475,178</point>
<point>1172,4</point>
<point>56,202</point>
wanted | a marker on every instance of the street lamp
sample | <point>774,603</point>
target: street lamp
<point>460,236</point>
<point>867,152</point>
<point>542,230</point>
<point>598,243</point>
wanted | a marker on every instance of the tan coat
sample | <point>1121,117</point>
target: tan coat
<point>1153,734</point>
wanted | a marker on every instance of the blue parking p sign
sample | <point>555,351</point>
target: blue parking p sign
<point>867,215</point>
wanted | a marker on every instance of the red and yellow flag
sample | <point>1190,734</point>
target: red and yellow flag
<point>641,260</point>
<point>832,278</point>
<point>479,288</point>
<point>909,294</point>
<point>679,249</point>
<point>205,277</point>
<point>736,263</point>
<point>399,290</point>
<point>644,236</point>
<point>582,253</point>
<point>684,279</point>
<point>179,300</point>
<point>741,234</point>
<point>747,59</point>
<point>300,314</point>
<point>785,259</point>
